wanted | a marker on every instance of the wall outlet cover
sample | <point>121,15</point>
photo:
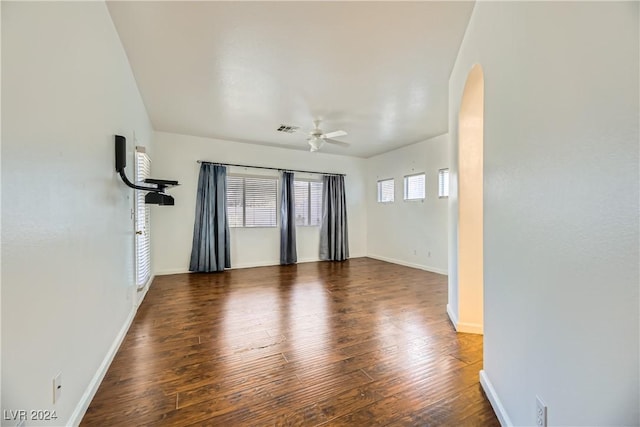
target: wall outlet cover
<point>541,412</point>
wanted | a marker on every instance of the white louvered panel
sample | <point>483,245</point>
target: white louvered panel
<point>315,203</point>
<point>143,241</point>
<point>235,201</point>
<point>302,202</point>
<point>251,201</point>
<point>443,183</point>
<point>386,191</point>
<point>414,186</point>
<point>260,196</point>
<point>308,202</point>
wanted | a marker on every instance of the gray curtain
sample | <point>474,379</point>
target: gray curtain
<point>210,249</point>
<point>334,241</point>
<point>288,253</point>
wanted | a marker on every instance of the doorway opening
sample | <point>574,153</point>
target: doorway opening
<point>470,204</point>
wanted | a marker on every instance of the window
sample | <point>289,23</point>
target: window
<point>414,187</point>
<point>143,243</point>
<point>443,183</point>
<point>308,202</point>
<point>251,201</point>
<point>386,190</point>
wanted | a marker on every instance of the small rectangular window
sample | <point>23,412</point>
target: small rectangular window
<point>386,189</point>
<point>414,186</point>
<point>308,196</point>
<point>251,201</point>
<point>443,183</point>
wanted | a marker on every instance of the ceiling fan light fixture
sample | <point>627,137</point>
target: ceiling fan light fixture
<point>315,143</point>
<point>317,137</point>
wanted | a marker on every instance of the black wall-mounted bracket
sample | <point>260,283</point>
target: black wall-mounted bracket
<point>156,190</point>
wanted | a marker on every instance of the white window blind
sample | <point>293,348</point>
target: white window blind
<point>235,201</point>
<point>315,202</point>
<point>386,191</point>
<point>414,186</point>
<point>251,201</point>
<point>443,183</point>
<point>308,196</point>
<point>143,242</point>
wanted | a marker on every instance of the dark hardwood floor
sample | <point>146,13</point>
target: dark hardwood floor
<point>357,343</point>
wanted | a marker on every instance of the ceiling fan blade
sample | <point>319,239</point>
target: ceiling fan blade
<point>335,134</point>
<point>333,141</point>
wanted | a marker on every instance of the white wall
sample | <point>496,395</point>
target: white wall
<point>560,206</point>
<point>412,233</point>
<point>172,228</point>
<point>67,235</point>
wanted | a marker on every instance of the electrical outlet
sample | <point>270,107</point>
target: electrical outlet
<point>57,387</point>
<point>541,413</point>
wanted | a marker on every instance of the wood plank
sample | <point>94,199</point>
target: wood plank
<point>361,342</point>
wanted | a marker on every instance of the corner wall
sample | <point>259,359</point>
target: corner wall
<point>412,233</point>
<point>67,234</point>
<point>172,228</point>
<point>561,237</point>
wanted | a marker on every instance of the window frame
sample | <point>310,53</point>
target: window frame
<point>379,192</point>
<point>244,199</point>
<point>308,181</point>
<point>405,189</point>
<point>441,185</point>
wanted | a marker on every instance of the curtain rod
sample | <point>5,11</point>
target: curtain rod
<point>267,167</point>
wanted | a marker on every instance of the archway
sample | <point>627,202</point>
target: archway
<point>470,204</point>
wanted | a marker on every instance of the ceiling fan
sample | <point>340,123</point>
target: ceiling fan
<point>317,137</point>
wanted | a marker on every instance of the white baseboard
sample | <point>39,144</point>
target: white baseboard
<point>470,328</point>
<point>276,263</point>
<point>90,392</point>
<point>146,285</point>
<point>409,264</point>
<point>496,404</point>
<point>143,292</point>
<point>452,317</point>
<point>172,271</point>
<point>255,264</point>
<point>247,265</point>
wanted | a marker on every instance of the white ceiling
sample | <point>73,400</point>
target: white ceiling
<point>238,70</point>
